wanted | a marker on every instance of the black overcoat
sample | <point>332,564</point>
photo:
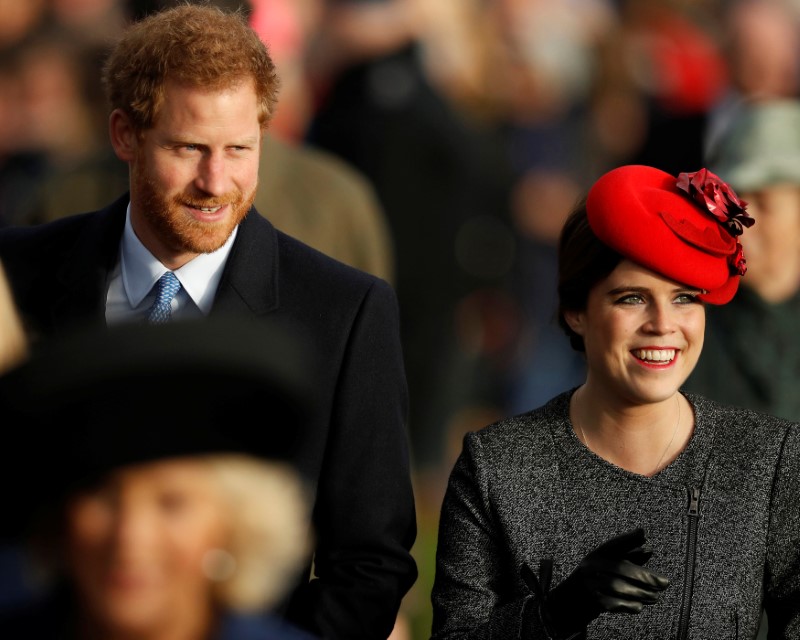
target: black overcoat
<point>355,453</point>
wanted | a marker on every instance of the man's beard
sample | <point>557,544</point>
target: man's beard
<point>184,233</point>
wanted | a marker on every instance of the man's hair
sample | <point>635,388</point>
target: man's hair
<point>583,261</point>
<point>193,45</point>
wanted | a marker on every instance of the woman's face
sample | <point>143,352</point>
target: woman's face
<point>136,544</point>
<point>643,334</point>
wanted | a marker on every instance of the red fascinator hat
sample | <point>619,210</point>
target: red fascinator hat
<point>684,228</point>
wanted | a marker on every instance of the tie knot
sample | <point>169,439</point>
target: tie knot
<point>166,288</point>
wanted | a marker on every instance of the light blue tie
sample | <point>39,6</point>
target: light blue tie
<point>166,288</point>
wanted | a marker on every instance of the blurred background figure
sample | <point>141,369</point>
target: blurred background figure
<point>548,55</point>
<point>181,520</point>
<point>19,19</point>
<point>288,27</point>
<point>752,352</point>
<point>324,201</point>
<point>14,348</point>
<point>401,93</point>
<point>56,129</point>
<point>675,59</point>
<point>761,43</point>
<point>95,23</point>
<point>13,341</point>
<point>59,154</point>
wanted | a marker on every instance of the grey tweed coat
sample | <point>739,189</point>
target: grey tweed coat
<point>723,520</point>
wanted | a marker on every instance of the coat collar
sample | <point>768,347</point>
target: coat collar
<point>249,280</point>
<point>87,264</point>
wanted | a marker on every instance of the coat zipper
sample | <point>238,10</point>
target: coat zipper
<point>691,552</point>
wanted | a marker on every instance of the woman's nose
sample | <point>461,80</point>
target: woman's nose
<point>661,318</point>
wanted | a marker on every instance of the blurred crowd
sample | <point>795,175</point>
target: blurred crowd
<point>476,124</point>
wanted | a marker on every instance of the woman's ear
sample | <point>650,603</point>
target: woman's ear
<point>575,320</point>
<point>122,135</point>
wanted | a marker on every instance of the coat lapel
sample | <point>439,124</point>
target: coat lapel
<point>86,266</point>
<point>249,282</point>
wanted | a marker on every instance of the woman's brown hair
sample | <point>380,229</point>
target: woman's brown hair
<point>583,261</point>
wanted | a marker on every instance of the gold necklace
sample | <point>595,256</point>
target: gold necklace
<point>657,468</point>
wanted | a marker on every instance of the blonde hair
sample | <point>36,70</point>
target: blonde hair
<point>13,340</point>
<point>270,530</point>
<point>267,510</point>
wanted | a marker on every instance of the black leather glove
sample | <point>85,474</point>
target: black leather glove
<point>610,578</point>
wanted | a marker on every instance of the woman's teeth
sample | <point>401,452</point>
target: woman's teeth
<point>655,355</point>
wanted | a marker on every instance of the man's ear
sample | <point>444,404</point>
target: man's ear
<point>122,135</point>
<point>575,321</point>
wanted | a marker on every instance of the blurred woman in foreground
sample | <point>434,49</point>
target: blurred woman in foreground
<point>149,507</point>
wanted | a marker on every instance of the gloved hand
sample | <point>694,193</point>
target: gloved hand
<point>610,578</point>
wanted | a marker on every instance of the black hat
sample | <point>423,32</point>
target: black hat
<point>92,401</point>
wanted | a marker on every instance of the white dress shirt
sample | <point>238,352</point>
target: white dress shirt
<point>131,292</point>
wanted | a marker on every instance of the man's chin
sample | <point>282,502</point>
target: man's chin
<point>207,237</point>
<point>206,244</point>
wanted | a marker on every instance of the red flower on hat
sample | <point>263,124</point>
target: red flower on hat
<point>708,190</point>
<point>737,261</point>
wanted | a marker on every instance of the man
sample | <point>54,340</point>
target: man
<point>309,193</point>
<point>192,90</point>
<point>751,355</point>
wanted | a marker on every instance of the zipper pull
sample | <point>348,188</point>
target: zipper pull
<point>694,501</point>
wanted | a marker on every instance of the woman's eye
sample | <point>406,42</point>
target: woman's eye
<point>630,298</point>
<point>687,298</point>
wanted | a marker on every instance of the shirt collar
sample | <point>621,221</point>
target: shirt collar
<point>141,270</point>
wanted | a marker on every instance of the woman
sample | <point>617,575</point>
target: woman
<point>184,547</point>
<point>624,508</point>
<point>156,510</point>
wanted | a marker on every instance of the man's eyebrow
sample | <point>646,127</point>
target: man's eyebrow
<point>188,139</point>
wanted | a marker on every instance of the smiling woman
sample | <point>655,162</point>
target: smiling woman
<point>625,508</point>
<point>642,334</point>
